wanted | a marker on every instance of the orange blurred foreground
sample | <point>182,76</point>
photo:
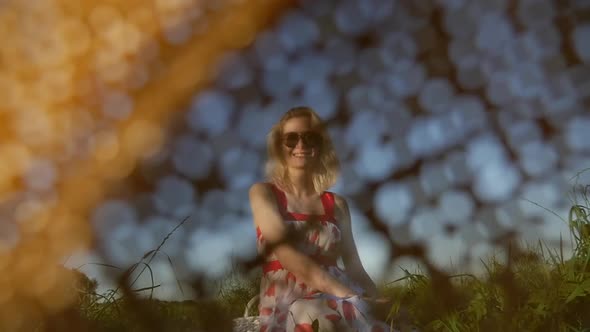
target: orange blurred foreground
<point>87,88</point>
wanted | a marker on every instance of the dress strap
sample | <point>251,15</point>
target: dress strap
<point>327,199</point>
<point>328,202</point>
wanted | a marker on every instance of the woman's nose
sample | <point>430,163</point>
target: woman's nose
<point>300,144</point>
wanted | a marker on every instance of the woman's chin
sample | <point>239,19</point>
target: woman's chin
<point>301,164</point>
<point>298,166</point>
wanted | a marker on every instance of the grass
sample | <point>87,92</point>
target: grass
<point>531,289</point>
<point>536,289</point>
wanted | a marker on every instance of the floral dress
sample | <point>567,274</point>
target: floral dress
<point>288,304</point>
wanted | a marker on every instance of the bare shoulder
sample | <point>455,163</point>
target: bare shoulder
<point>261,195</point>
<point>265,211</point>
<point>259,190</point>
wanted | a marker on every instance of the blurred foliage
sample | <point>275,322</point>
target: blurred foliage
<point>533,289</point>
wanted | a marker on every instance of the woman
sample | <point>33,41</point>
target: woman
<point>302,230</point>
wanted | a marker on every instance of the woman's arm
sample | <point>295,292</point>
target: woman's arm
<point>350,256</point>
<point>268,218</point>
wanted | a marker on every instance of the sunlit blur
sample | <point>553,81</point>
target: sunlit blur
<point>86,92</point>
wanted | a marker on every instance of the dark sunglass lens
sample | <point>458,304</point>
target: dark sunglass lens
<point>312,139</point>
<point>291,140</point>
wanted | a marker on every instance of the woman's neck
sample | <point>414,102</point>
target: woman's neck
<point>301,183</point>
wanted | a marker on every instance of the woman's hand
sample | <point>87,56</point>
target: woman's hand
<point>342,291</point>
<point>369,305</point>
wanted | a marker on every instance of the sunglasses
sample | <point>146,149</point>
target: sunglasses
<point>310,139</point>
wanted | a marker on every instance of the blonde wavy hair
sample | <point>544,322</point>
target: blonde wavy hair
<point>327,168</point>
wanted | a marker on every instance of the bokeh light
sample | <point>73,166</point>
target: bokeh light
<point>116,123</point>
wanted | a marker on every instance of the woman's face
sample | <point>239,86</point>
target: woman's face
<point>301,145</point>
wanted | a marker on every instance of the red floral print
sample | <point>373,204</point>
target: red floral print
<point>332,304</point>
<point>266,311</point>
<point>303,327</point>
<point>348,309</point>
<point>333,317</point>
<point>287,304</point>
<point>270,291</point>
